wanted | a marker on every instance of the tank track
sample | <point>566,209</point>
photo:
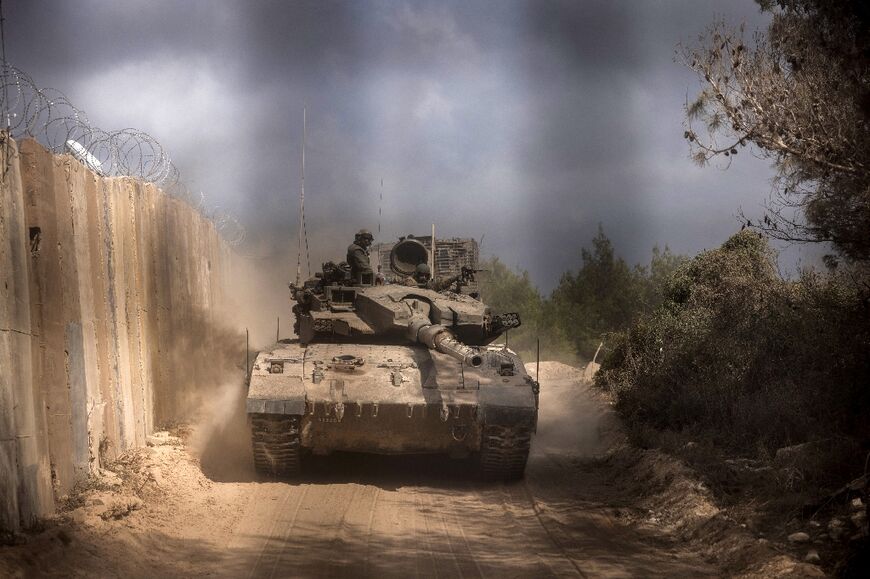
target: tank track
<point>504,451</point>
<point>277,446</point>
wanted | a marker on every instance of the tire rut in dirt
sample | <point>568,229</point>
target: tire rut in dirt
<point>276,444</point>
<point>504,451</point>
<point>540,538</point>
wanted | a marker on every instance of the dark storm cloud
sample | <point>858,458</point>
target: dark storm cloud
<point>63,38</point>
<point>308,41</point>
<point>526,122</point>
<point>603,33</point>
<point>608,129</point>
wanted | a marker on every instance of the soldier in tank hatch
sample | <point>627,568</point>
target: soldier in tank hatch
<point>358,257</point>
<point>422,278</point>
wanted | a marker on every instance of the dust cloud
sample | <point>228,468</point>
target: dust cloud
<point>574,418</point>
<point>221,437</point>
<point>257,296</point>
<point>209,389</point>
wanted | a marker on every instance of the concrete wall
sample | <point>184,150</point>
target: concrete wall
<point>108,309</point>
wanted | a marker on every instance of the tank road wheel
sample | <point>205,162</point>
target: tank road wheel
<point>504,451</point>
<point>277,448</point>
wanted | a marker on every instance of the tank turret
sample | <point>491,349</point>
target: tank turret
<point>330,308</point>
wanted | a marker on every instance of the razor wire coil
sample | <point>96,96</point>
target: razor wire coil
<point>48,116</point>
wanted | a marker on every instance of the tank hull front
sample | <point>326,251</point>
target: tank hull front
<point>392,429</point>
<point>389,399</point>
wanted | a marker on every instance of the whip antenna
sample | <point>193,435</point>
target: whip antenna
<point>380,210</point>
<point>303,234</point>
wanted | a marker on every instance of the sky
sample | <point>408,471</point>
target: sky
<point>524,124</point>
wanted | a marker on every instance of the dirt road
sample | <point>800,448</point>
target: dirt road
<point>409,526</point>
<point>378,516</point>
<point>576,514</point>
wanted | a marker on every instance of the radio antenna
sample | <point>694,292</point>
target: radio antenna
<point>303,234</point>
<point>380,212</point>
<point>432,254</point>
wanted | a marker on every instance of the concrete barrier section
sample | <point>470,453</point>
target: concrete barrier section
<point>109,308</point>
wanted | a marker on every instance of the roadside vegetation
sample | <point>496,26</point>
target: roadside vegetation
<point>758,381</point>
<point>739,357</point>
<point>603,295</point>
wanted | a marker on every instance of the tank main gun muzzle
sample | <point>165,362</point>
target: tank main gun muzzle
<point>440,338</point>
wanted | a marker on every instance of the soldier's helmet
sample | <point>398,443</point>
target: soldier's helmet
<point>422,271</point>
<point>365,234</point>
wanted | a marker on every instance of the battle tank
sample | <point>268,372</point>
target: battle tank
<point>392,369</point>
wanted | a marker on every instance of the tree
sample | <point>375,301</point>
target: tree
<point>506,290</point>
<point>663,265</point>
<point>801,95</point>
<point>604,295</point>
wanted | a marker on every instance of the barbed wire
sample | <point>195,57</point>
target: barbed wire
<point>47,115</point>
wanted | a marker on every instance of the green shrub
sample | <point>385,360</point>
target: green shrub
<point>752,359</point>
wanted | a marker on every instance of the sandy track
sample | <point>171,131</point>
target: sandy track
<point>403,526</point>
<point>373,516</point>
<point>428,517</point>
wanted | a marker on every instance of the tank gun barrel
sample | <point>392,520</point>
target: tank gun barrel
<point>440,338</point>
